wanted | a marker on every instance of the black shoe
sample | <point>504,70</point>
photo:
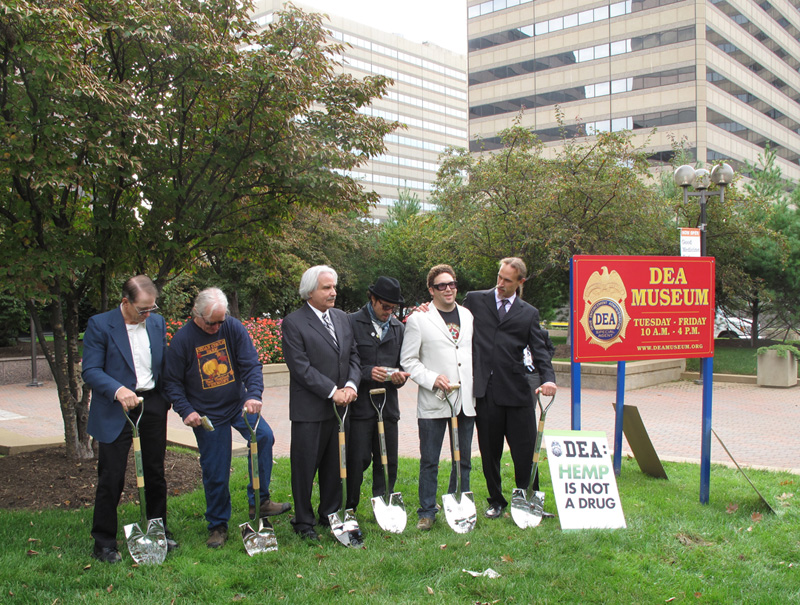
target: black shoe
<point>308,533</point>
<point>546,515</point>
<point>495,511</point>
<point>171,543</point>
<point>106,554</point>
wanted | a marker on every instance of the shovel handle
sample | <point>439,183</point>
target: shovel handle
<point>377,391</point>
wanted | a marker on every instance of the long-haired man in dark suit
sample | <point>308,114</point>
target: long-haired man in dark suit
<point>504,326</point>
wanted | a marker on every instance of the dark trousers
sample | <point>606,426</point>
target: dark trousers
<point>363,449</point>
<point>315,450</point>
<point>113,460</point>
<point>517,425</point>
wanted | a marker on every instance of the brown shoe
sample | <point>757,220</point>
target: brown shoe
<point>270,508</point>
<point>425,523</point>
<point>217,537</point>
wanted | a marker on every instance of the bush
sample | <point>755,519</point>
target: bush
<point>265,333</point>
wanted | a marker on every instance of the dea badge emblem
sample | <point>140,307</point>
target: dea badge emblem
<point>604,317</point>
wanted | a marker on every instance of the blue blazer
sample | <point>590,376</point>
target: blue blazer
<point>108,365</point>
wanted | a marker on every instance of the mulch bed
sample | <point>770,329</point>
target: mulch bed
<point>46,479</point>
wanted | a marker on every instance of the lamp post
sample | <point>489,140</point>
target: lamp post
<point>684,177</point>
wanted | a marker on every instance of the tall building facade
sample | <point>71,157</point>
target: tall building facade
<point>429,96</point>
<point>720,75</point>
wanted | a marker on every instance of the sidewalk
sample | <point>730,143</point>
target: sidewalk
<point>757,424</point>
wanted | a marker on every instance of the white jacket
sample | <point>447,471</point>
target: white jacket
<point>429,350</point>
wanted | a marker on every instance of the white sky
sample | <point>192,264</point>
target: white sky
<point>443,22</point>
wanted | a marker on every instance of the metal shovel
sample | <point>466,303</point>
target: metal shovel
<point>146,547</point>
<point>343,522</point>
<point>264,539</point>
<point>390,512</point>
<point>527,506</point>
<point>459,508</point>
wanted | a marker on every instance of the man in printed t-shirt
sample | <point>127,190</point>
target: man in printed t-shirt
<point>437,352</point>
<point>213,371</point>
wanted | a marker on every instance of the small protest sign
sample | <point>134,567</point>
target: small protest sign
<point>583,479</point>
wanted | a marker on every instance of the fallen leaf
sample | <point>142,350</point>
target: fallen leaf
<point>335,587</point>
<point>31,553</point>
<point>669,600</point>
<point>467,543</point>
<point>507,558</point>
<point>299,576</point>
<point>750,528</point>
<point>756,517</point>
<point>731,508</point>
<point>238,597</point>
<point>87,567</point>
<point>785,496</point>
<point>430,590</point>
<point>442,546</point>
<point>110,588</point>
<point>351,591</point>
<point>787,482</point>
<point>698,594</point>
<point>688,540</point>
<point>34,540</point>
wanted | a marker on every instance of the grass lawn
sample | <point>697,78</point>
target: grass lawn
<point>673,550</point>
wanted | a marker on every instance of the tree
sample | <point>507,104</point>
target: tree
<point>591,198</point>
<point>143,136</point>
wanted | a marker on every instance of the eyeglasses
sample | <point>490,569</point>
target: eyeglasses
<point>214,324</point>
<point>386,307</point>
<point>145,311</point>
<point>453,285</point>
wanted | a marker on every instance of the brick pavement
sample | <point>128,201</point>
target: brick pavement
<point>756,423</point>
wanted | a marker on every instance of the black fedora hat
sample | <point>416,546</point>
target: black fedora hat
<point>388,289</point>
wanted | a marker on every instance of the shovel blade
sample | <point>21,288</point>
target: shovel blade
<point>147,547</point>
<point>460,513</point>
<point>347,530</point>
<point>391,517</point>
<point>526,513</point>
<point>263,540</point>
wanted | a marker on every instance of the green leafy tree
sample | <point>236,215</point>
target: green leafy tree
<point>591,198</point>
<point>146,136</point>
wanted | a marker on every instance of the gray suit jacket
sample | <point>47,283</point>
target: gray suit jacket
<point>316,364</point>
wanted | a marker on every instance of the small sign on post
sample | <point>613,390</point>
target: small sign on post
<point>690,241</point>
<point>583,480</point>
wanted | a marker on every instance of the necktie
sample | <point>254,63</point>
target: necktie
<point>502,310</point>
<point>326,320</point>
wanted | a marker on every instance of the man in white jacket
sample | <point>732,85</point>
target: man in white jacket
<point>437,352</point>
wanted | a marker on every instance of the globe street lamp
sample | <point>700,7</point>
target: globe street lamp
<point>685,176</point>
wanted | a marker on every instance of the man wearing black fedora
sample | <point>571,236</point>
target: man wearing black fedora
<point>379,336</point>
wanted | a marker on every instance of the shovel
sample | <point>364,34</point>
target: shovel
<point>459,508</point>
<point>390,512</point>
<point>527,506</point>
<point>264,539</point>
<point>343,522</point>
<point>146,547</point>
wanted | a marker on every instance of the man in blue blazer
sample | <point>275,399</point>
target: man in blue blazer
<point>324,367</point>
<point>123,360</point>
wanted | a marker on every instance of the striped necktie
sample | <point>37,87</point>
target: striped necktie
<point>326,320</point>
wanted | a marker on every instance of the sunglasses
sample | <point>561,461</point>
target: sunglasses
<point>214,324</point>
<point>453,285</point>
<point>386,306</point>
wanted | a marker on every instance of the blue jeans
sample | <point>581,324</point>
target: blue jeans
<point>215,462</point>
<point>431,434</point>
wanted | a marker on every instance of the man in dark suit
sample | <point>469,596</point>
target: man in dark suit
<point>123,360</point>
<point>504,326</point>
<point>321,354</point>
<point>379,337</point>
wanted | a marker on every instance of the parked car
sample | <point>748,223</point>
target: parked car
<point>729,326</point>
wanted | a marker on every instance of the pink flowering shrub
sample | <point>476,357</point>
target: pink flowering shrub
<point>266,335</point>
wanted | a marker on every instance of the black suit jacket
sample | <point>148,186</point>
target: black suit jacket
<point>497,349</point>
<point>374,352</point>
<point>316,364</point>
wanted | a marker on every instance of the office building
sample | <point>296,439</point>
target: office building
<point>429,96</point>
<point>720,74</point>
